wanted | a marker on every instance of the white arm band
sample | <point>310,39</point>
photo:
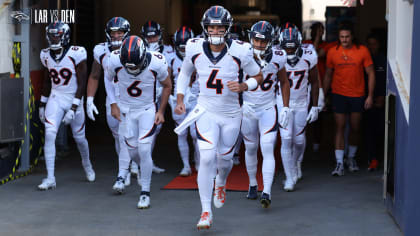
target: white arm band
<point>44,99</point>
<point>110,91</point>
<point>76,101</point>
<point>182,82</point>
<point>252,83</point>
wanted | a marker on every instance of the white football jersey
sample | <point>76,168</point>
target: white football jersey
<point>175,64</point>
<point>101,55</point>
<point>138,91</point>
<point>168,53</point>
<point>298,76</point>
<point>63,71</point>
<point>264,94</point>
<point>214,72</point>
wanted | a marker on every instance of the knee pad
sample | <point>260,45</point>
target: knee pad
<point>300,139</point>
<point>251,147</point>
<point>207,157</point>
<point>50,134</point>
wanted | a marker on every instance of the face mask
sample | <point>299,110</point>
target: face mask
<point>116,44</point>
<point>216,40</point>
<point>259,52</point>
<point>133,71</point>
<point>55,46</point>
<point>182,54</point>
<point>153,46</point>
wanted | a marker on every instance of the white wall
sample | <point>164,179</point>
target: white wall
<point>400,29</point>
<point>6,42</point>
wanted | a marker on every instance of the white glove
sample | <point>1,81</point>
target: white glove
<point>42,114</point>
<point>313,114</point>
<point>91,108</point>
<point>321,98</point>
<point>68,118</point>
<point>284,116</point>
<point>247,110</point>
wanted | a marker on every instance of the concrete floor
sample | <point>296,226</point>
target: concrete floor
<point>321,204</point>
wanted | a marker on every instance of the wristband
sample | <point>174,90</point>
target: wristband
<point>252,83</point>
<point>76,101</point>
<point>44,99</point>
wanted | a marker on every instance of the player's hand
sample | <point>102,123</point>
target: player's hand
<point>180,108</point>
<point>237,87</point>
<point>69,117</point>
<point>115,111</point>
<point>91,108</point>
<point>284,116</point>
<point>368,103</point>
<point>42,114</point>
<point>159,118</point>
<point>313,114</point>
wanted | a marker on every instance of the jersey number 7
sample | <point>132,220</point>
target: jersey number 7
<point>301,75</point>
<point>214,83</point>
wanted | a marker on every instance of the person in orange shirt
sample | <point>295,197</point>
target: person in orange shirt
<point>345,66</point>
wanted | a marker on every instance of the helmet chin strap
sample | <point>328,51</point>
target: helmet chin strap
<point>216,40</point>
<point>153,46</point>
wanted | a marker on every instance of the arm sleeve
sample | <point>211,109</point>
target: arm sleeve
<point>250,66</point>
<point>187,69</point>
<point>162,70</point>
<point>81,55</point>
<point>96,54</point>
<point>42,58</point>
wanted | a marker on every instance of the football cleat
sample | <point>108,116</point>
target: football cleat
<point>352,165</point>
<point>219,196</point>
<point>289,185</point>
<point>205,221</point>
<point>265,200</point>
<point>157,170</point>
<point>339,170</point>
<point>144,201</point>
<point>47,184</point>
<point>119,185</point>
<point>186,171</point>
<point>90,174</point>
<point>252,192</point>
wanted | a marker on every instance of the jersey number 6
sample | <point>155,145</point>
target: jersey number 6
<point>133,90</point>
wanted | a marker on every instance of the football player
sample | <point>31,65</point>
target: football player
<point>259,121</point>
<point>217,115</point>
<point>137,72</point>
<point>62,97</point>
<point>117,29</point>
<point>152,34</point>
<point>181,36</point>
<point>302,70</point>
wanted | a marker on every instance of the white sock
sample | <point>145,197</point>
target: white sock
<point>352,151</point>
<point>146,165</point>
<point>223,170</point>
<point>123,161</point>
<point>83,146</point>
<point>286,157</point>
<point>339,156</point>
<point>205,177</point>
<point>251,162</point>
<point>49,153</point>
<point>268,166</point>
<point>184,149</point>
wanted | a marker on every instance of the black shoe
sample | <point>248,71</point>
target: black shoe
<point>265,200</point>
<point>252,192</point>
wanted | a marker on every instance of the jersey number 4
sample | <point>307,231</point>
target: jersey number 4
<point>301,75</point>
<point>133,90</point>
<point>214,83</point>
<point>58,76</point>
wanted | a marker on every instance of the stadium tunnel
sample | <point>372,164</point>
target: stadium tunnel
<point>91,17</point>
